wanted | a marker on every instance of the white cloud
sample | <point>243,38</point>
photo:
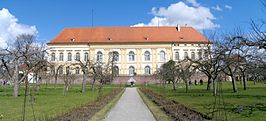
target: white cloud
<point>193,2</point>
<point>181,14</point>
<point>228,7</point>
<point>217,8</point>
<point>10,28</point>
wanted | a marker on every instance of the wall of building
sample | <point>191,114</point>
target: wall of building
<point>124,63</point>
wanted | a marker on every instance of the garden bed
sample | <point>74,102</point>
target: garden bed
<point>177,111</point>
<point>87,111</point>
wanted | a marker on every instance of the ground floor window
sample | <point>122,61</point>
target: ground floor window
<point>131,71</point>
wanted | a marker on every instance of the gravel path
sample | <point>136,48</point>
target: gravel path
<point>130,107</point>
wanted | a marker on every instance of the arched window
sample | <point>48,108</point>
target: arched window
<point>185,55</point>
<point>200,55</point>
<point>114,55</point>
<point>162,55</point>
<point>116,71</point>
<point>131,71</point>
<point>77,56</point>
<point>77,70</point>
<point>131,56</point>
<point>86,56</point>
<point>147,70</point>
<point>193,55</point>
<point>53,57</point>
<point>60,70</point>
<point>61,57</point>
<point>99,56</point>
<point>176,55</point>
<point>67,70</point>
<point>147,56</point>
<point>69,57</point>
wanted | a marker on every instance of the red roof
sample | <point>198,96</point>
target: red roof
<point>129,35</point>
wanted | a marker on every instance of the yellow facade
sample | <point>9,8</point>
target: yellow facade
<point>124,64</point>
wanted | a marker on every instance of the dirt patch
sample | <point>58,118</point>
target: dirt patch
<point>177,111</point>
<point>85,112</point>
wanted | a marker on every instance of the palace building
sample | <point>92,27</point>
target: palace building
<point>139,50</point>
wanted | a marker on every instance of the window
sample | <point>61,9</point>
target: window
<point>53,57</point>
<point>185,55</point>
<point>206,55</point>
<point>193,55</point>
<point>61,57</point>
<point>176,55</point>
<point>131,71</point>
<point>60,70</point>
<point>147,56</point>
<point>200,55</point>
<point>116,71</point>
<point>86,56</point>
<point>99,56</point>
<point>77,70</point>
<point>131,56</point>
<point>116,56</point>
<point>162,55</point>
<point>69,57</point>
<point>67,70</point>
<point>147,70</point>
<point>77,56</point>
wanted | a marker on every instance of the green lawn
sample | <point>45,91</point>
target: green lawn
<point>252,101</point>
<point>49,103</point>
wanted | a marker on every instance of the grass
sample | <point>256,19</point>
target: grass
<point>48,104</point>
<point>245,105</point>
<point>156,111</point>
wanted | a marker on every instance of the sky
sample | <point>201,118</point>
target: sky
<point>47,18</point>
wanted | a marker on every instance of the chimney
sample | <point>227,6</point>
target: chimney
<point>178,28</point>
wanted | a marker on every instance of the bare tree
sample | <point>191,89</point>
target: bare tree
<point>24,55</point>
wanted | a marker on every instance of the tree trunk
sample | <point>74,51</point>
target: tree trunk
<point>209,83</point>
<point>83,83</point>
<point>174,85</point>
<point>16,82</point>
<point>186,86</point>
<point>37,84</point>
<point>244,80</point>
<point>92,85</point>
<point>233,83</point>
<point>214,88</point>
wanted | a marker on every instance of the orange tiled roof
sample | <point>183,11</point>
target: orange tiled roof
<point>128,35</point>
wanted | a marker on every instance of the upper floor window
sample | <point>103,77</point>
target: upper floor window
<point>185,55</point>
<point>162,55</point>
<point>200,55</point>
<point>131,56</point>
<point>147,56</point>
<point>69,57</point>
<point>147,70</point>
<point>77,56</point>
<point>61,57</point>
<point>53,57</point>
<point>193,55</point>
<point>99,56</point>
<point>114,55</point>
<point>131,71</point>
<point>86,56</point>
<point>176,55</point>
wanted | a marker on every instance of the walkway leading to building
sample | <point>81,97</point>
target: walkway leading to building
<point>130,107</point>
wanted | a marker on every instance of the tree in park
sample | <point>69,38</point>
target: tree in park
<point>104,72</point>
<point>168,72</point>
<point>186,70</point>
<point>23,55</point>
